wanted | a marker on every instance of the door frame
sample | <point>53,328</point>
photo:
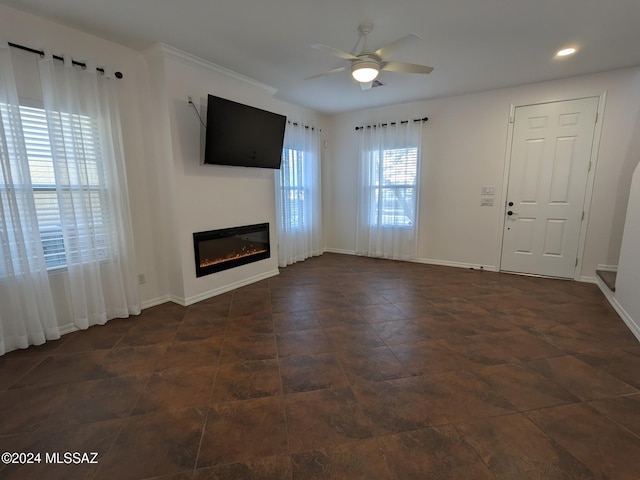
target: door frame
<point>595,148</point>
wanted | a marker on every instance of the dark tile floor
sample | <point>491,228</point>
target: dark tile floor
<point>340,367</point>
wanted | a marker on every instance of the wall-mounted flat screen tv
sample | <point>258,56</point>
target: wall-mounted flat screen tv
<point>241,135</point>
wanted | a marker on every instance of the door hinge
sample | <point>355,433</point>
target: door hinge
<point>582,216</point>
<point>512,119</point>
<point>589,168</point>
<point>597,113</point>
<point>576,262</point>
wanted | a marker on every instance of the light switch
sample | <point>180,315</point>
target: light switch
<point>487,190</point>
<point>486,202</point>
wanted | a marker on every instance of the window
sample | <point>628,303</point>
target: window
<point>82,189</point>
<point>292,188</point>
<point>393,177</point>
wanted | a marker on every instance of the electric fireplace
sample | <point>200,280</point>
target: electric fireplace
<point>218,250</point>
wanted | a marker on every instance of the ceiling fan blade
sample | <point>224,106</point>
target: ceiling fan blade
<point>387,50</point>
<point>406,67</point>
<point>334,51</point>
<point>335,70</point>
<point>366,85</point>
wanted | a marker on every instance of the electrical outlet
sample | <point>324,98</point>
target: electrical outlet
<point>142,279</point>
<point>189,99</point>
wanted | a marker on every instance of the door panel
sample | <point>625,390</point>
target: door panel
<point>532,171</point>
<point>561,179</point>
<point>524,235</point>
<point>550,157</point>
<point>554,237</point>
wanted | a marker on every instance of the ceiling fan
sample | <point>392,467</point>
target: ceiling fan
<point>366,66</point>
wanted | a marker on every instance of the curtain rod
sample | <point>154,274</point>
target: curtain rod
<point>423,119</point>
<point>58,57</point>
<point>296,124</point>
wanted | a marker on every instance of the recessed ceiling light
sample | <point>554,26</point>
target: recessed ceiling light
<point>565,52</point>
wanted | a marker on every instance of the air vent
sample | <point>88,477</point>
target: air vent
<point>377,83</point>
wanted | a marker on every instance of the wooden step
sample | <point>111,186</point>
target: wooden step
<point>609,278</point>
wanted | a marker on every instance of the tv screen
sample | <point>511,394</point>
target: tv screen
<point>241,135</point>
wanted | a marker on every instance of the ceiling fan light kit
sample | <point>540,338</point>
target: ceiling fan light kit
<point>365,70</point>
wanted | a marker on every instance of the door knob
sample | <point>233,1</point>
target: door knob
<point>511,204</point>
<point>509,213</point>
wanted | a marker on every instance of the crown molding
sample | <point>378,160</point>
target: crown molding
<point>173,53</point>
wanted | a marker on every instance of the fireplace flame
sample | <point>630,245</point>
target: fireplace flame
<point>245,251</point>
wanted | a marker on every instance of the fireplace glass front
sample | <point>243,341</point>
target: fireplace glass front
<point>218,250</point>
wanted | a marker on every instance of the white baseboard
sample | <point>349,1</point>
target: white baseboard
<point>626,318</point>
<point>340,251</point>
<point>607,268</point>
<point>177,299</point>
<point>446,263</point>
<point>185,302</point>
<point>624,315</point>
<point>155,301</point>
<point>608,294</point>
<point>427,261</point>
<point>596,279</point>
<point>588,279</point>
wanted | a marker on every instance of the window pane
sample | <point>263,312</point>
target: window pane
<point>396,206</point>
<point>36,136</point>
<point>400,166</point>
<point>292,190</point>
<point>394,183</point>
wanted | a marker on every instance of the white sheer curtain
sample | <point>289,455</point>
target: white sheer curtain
<point>63,206</point>
<point>298,195</point>
<point>389,174</point>
<point>27,315</point>
<point>84,125</point>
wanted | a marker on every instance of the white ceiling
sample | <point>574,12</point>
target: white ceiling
<point>473,45</point>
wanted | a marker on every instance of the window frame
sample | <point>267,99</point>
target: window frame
<point>377,186</point>
<point>295,155</point>
<point>39,149</point>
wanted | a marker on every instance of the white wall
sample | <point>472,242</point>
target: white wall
<point>627,294</point>
<point>626,298</point>
<point>207,197</point>
<point>464,148</point>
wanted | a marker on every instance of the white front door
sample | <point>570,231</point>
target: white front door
<point>550,163</point>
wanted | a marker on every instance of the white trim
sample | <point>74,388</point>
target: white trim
<point>181,56</point>
<point>626,318</point>
<point>595,147</point>
<point>607,268</point>
<point>605,290</point>
<point>505,183</point>
<point>155,302</point>
<point>446,263</point>
<point>587,279</point>
<point>176,299</point>
<point>185,302</point>
<point>340,251</point>
<point>425,261</point>
<point>624,315</point>
<point>588,193</point>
